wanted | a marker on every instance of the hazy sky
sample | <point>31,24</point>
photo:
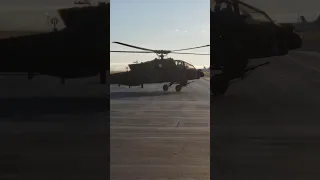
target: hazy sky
<point>30,15</point>
<point>160,24</point>
<point>287,10</point>
<point>155,24</point>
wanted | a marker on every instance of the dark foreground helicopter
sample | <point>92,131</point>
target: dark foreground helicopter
<point>240,32</point>
<point>162,70</point>
<point>78,50</point>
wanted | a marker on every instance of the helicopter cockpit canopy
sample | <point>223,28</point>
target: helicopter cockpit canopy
<point>189,66</point>
<point>183,64</point>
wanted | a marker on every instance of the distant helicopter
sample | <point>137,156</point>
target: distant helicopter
<point>78,50</point>
<point>159,70</point>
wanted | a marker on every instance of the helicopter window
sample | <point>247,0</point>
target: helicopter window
<point>179,63</point>
<point>189,66</point>
<point>252,15</point>
<point>221,6</point>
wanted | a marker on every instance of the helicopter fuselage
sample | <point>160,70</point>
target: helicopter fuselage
<point>157,71</point>
<point>76,51</point>
<point>241,32</point>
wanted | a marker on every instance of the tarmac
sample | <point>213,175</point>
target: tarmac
<point>267,126</point>
<point>52,131</point>
<point>158,135</point>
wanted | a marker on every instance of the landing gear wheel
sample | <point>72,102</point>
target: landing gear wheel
<point>165,87</point>
<point>178,88</point>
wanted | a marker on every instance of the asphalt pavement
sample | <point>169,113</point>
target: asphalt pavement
<point>53,131</point>
<point>267,126</point>
<point>160,135</point>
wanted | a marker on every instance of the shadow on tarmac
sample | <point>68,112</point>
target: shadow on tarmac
<point>26,106</point>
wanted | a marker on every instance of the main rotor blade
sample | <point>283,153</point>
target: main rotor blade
<point>189,53</point>
<point>141,48</point>
<point>132,51</point>
<point>192,48</point>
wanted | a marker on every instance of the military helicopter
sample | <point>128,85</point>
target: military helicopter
<point>240,32</point>
<point>159,70</point>
<point>78,50</point>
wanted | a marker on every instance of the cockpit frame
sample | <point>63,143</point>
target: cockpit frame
<point>184,64</point>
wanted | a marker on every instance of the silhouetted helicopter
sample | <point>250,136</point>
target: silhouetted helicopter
<point>78,50</point>
<point>240,32</point>
<point>162,70</point>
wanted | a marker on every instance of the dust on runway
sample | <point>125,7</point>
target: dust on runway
<point>267,126</point>
<point>160,135</point>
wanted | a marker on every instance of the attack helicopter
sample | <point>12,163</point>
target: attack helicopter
<point>239,33</point>
<point>78,50</point>
<point>159,70</point>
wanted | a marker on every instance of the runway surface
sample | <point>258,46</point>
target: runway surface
<point>267,127</point>
<point>160,135</point>
<point>53,131</point>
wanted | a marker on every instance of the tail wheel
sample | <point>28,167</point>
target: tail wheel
<point>165,87</point>
<point>178,88</point>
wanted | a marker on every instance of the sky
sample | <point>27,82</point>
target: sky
<point>288,10</point>
<point>30,15</point>
<point>159,24</point>
<point>155,24</point>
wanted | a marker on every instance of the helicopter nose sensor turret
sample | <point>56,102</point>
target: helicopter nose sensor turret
<point>200,73</point>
